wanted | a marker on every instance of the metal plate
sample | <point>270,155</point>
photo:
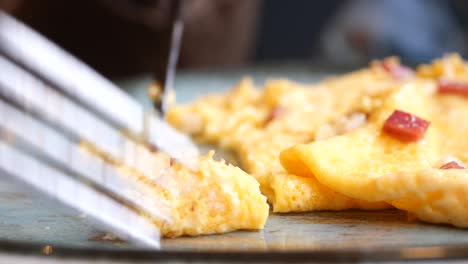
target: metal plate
<point>29,220</point>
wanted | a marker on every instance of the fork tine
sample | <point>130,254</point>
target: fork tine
<point>49,64</point>
<point>66,116</point>
<point>68,74</point>
<point>124,222</point>
<point>80,124</point>
<point>65,154</point>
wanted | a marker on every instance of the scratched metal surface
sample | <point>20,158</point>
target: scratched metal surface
<point>28,216</point>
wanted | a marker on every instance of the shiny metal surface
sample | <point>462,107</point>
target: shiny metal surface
<point>51,104</point>
<point>174,50</point>
<point>53,147</point>
<point>51,66</point>
<point>114,215</point>
<point>54,163</point>
<point>34,96</point>
<point>68,74</point>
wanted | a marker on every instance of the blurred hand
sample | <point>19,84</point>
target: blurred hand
<point>9,5</point>
<point>127,37</point>
<point>156,13</point>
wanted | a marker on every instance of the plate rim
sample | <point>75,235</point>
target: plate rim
<point>392,253</point>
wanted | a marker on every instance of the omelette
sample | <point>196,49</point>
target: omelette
<point>258,124</point>
<point>383,136</point>
<point>423,175</point>
<point>215,197</point>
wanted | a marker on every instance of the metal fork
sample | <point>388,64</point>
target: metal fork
<point>50,104</point>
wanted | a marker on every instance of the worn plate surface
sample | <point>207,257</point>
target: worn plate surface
<point>29,220</point>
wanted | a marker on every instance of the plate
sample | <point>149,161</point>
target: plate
<point>29,221</point>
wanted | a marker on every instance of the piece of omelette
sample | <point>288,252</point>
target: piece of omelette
<point>373,165</point>
<point>258,124</point>
<point>215,197</point>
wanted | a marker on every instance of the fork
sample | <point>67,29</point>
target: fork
<point>51,105</point>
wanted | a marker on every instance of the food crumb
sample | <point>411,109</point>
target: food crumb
<point>82,216</point>
<point>108,237</point>
<point>451,165</point>
<point>274,114</point>
<point>47,250</point>
<point>152,148</point>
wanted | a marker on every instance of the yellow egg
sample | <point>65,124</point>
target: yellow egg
<point>216,199</point>
<point>368,164</point>
<point>350,163</point>
<point>432,195</point>
<point>294,193</point>
<point>322,147</point>
<point>258,124</point>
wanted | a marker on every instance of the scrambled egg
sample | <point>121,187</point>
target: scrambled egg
<point>371,165</point>
<point>351,163</point>
<point>216,198</point>
<point>258,124</point>
<point>322,146</point>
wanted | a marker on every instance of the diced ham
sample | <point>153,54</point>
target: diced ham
<point>451,165</point>
<point>172,161</point>
<point>453,87</point>
<point>152,148</point>
<point>405,126</point>
<point>397,70</point>
<point>275,112</point>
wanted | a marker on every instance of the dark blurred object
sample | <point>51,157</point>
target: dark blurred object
<point>290,30</point>
<point>9,5</point>
<point>350,33</point>
<point>460,9</point>
<point>123,37</point>
<point>126,37</point>
<point>152,13</point>
<point>416,30</point>
<point>165,78</point>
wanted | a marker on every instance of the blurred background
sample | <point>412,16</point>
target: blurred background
<point>123,38</point>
